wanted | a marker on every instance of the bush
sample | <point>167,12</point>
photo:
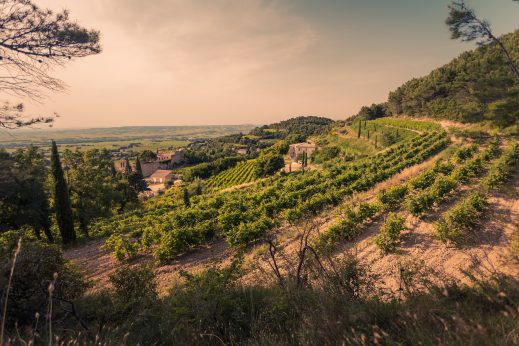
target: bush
<point>34,270</point>
<point>268,164</point>
<point>390,232</point>
<point>123,248</point>
<point>461,218</point>
<point>503,169</point>
<point>393,197</point>
<point>134,286</point>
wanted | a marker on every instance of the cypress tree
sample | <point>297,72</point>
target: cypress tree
<point>62,205</point>
<point>127,167</point>
<point>368,135</point>
<point>138,167</point>
<point>360,126</point>
<point>113,171</point>
<point>185,196</point>
<point>376,141</point>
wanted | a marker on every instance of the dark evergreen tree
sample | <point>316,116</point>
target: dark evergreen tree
<point>137,182</point>
<point>24,199</point>
<point>138,167</point>
<point>360,127</point>
<point>127,166</point>
<point>62,205</point>
<point>185,196</point>
<point>113,171</point>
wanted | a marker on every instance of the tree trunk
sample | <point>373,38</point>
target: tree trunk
<point>48,234</point>
<point>513,66</point>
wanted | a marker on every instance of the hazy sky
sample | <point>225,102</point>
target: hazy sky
<point>180,62</point>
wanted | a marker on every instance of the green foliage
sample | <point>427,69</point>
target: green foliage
<point>122,246</point>
<point>322,155</point>
<point>95,192</point>
<point>390,231</point>
<point>306,126</point>
<point>465,153</point>
<point>242,173</point>
<point>138,167</point>
<point>24,199</point>
<point>462,218</point>
<point>505,112</point>
<point>34,271</point>
<point>372,112</point>
<point>419,203</point>
<point>147,156</point>
<point>210,169</point>
<point>267,164</point>
<point>387,131</point>
<point>349,225</point>
<point>212,306</point>
<point>446,179</point>
<point>392,198</point>
<point>244,215</point>
<point>424,179</point>
<point>408,124</point>
<point>477,85</point>
<point>62,206</point>
<point>136,182</point>
<point>502,170</point>
<point>186,197</point>
<point>134,287</point>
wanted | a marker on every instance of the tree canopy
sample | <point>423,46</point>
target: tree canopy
<point>32,42</point>
<point>466,89</point>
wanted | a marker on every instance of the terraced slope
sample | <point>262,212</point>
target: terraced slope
<point>242,173</point>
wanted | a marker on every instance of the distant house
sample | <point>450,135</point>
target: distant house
<point>241,151</point>
<point>163,161</point>
<point>161,176</point>
<point>296,150</point>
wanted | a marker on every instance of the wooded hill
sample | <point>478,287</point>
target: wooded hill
<point>476,86</point>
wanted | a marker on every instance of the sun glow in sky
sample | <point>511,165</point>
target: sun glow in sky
<point>192,62</point>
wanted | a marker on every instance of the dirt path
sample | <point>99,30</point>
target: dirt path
<point>99,264</point>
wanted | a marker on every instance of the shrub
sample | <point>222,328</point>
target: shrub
<point>123,248</point>
<point>390,232</point>
<point>461,218</point>
<point>393,197</point>
<point>424,179</point>
<point>34,270</point>
<point>134,286</point>
<point>503,169</point>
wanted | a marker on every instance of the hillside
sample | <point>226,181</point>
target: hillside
<point>476,86</point>
<point>393,213</point>
<point>395,226</point>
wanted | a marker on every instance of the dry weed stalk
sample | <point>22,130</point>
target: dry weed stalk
<point>6,298</point>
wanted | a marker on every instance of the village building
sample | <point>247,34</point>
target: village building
<point>163,161</point>
<point>296,150</point>
<point>241,151</point>
<point>161,176</point>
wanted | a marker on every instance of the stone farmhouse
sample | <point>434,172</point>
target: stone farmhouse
<point>296,150</point>
<point>161,176</point>
<point>164,161</point>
